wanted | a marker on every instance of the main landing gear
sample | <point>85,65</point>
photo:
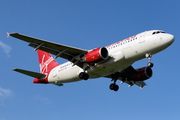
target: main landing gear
<point>148,56</point>
<point>83,75</point>
<point>114,86</point>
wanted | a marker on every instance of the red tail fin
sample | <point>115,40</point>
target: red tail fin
<point>46,62</point>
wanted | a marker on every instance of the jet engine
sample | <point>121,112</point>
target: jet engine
<point>97,55</point>
<point>142,74</point>
<point>39,80</point>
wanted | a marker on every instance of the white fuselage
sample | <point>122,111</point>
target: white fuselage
<point>121,55</point>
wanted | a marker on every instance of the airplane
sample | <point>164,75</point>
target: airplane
<point>113,61</point>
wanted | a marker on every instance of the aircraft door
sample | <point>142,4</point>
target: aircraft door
<point>142,37</point>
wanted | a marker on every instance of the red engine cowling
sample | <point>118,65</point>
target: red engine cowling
<point>97,55</point>
<point>38,80</point>
<point>142,74</point>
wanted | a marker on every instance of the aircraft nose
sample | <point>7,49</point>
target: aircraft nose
<point>170,38</point>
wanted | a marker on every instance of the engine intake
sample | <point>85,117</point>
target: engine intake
<point>97,55</point>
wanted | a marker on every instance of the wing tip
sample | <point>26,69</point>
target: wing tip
<point>8,34</point>
<point>15,69</point>
<point>12,34</point>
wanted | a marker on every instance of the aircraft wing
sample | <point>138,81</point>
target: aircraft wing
<point>56,49</point>
<point>126,73</point>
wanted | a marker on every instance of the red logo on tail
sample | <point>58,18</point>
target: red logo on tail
<point>46,62</point>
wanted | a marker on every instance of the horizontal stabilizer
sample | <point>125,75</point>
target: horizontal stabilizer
<point>30,73</point>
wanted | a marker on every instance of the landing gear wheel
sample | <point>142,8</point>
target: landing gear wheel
<point>83,75</point>
<point>111,86</point>
<point>114,87</point>
<point>150,64</point>
<point>86,76</point>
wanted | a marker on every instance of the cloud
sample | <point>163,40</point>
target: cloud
<point>43,99</point>
<point>4,93</point>
<point>6,48</point>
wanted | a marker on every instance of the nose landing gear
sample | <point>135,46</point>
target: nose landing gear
<point>148,56</point>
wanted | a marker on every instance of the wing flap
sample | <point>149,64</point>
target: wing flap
<point>30,73</point>
<point>72,51</point>
<point>55,52</point>
<point>52,51</point>
<point>138,83</point>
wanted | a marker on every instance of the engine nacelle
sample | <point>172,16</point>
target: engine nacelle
<point>142,74</point>
<point>97,55</point>
<point>39,80</point>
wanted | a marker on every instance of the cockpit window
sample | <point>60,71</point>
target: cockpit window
<point>157,32</point>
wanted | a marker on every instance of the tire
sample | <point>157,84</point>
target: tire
<point>111,87</point>
<point>83,76</point>
<point>116,87</point>
<point>150,65</point>
<point>86,76</point>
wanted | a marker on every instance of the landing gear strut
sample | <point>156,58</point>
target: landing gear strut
<point>148,56</point>
<point>114,86</point>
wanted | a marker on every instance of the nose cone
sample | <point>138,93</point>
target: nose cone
<point>170,39</point>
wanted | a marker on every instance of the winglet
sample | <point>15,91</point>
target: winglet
<point>8,34</point>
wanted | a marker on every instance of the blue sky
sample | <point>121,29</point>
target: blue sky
<point>87,24</point>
